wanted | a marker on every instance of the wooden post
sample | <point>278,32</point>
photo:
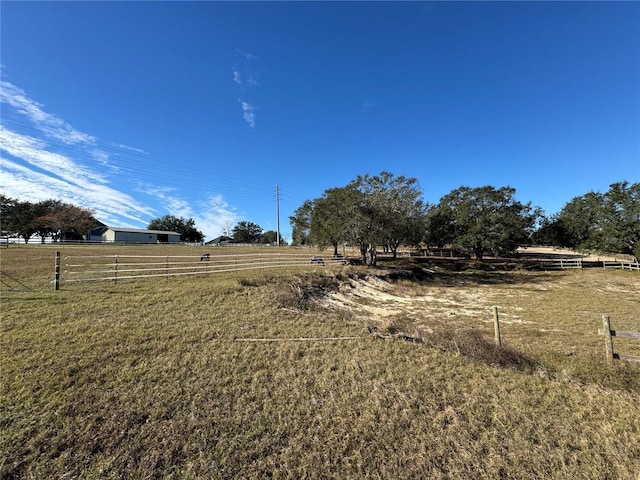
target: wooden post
<point>56,281</point>
<point>496,326</point>
<point>115,280</point>
<point>608,340</point>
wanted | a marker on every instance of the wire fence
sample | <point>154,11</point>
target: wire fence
<point>88,268</point>
<point>96,268</point>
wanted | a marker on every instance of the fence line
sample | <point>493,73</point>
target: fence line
<point>568,263</point>
<point>85,268</point>
<point>608,341</point>
<point>80,268</point>
<point>562,264</point>
<point>621,264</point>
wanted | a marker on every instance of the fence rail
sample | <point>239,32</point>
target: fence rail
<point>621,264</point>
<point>567,263</point>
<point>608,341</point>
<point>562,264</point>
<point>86,268</point>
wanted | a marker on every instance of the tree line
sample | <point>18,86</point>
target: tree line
<point>66,222</point>
<point>605,222</point>
<point>387,211</point>
<point>242,232</point>
<point>49,218</point>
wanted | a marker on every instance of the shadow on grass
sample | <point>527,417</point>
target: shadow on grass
<point>457,273</point>
<point>472,345</point>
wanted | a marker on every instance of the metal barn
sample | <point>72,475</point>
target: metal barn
<point>134,235</point>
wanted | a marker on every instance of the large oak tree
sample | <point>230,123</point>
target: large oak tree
<point>246,232</point>
<point>484,220</point>
<point>185,227</point>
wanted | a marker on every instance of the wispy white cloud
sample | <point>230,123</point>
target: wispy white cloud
<point>249,113</point>
<point>247,78</point>
<point>211,215</point>
<point>131,149</point>
<point>245,55</point>
<point>56,161</point>
<point>215,215</point>
<point>47,123</point>
<point>20,181</point>
<point>252,80</point>
<point>42,167</point>
<point>170,198</point>
<point>236,76</point>
<point>34,152</point>
<point>44,175</point>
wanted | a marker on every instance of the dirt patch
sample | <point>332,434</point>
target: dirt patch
<point>438,310</point>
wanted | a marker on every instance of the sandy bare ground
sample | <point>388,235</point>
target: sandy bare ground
<point>375,301</point>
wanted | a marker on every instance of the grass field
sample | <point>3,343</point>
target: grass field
<point>173,378</point>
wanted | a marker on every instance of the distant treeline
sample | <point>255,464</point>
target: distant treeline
<point>49,218</point>
<point>388,211</point>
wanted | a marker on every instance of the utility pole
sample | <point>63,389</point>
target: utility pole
<point>278,216</point>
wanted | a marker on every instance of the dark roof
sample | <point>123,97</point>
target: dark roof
<point>221,239</point>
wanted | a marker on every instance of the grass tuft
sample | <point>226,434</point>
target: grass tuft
<point>473,345</point>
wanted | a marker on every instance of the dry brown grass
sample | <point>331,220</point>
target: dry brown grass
<point>145,379</point>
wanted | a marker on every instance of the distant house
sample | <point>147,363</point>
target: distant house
<point>134,235</point>
<point>221,240</point>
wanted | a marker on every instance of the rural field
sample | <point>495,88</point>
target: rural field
<point>316,371</point>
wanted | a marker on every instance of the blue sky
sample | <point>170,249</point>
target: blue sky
<point>199,109</point>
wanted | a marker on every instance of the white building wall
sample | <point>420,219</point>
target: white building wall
<point>137,237</point>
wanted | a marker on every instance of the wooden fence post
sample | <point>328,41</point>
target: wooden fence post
<point>608,340</point>
<point>56,281</point>
<point>496,326</point>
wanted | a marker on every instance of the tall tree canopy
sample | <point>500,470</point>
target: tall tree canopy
<point>607,222</point>
<point>185,227</point>
<point>66,222</point>
<point>370,211</point>
<point>18,218</point>
<point>49,218</point>
<point>247,232</point>
<point>389,213</point>
<point>333,216</point>
<point>484,219</point>
<point>270,237</point>
<point>301,223</point>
